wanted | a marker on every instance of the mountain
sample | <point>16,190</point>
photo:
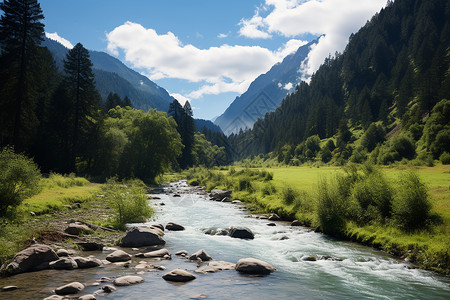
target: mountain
<point>264,93</point>
<point>111,75</point>
<point>392,79</point>
<point>200,124</point>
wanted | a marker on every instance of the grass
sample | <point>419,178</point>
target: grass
<point>428,247</point>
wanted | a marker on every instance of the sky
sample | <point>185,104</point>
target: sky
<point>207,51</point>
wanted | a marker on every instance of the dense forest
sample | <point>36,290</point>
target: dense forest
<point>59,118</point>
<point>384,99</point>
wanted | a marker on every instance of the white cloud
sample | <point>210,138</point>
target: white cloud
<point>219,69</point>
<point>181,99</point>
<point>54,36</point>
<point>288,86</point>
<point>336,19</point>
<point>222,35</point>
<point>254,28</point>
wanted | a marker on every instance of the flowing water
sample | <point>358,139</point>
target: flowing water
<point>354,271</point>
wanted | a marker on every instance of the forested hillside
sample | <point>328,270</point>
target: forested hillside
<point>385,98</point>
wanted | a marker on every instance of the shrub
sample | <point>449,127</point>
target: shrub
<point>331,209</point>
<point>289,195</point>
<point>19,179</point>
<point>128,201</point>
<point>445,158</point>
<point>245,184</point>
<point>268,189</point>
<point>412,206</point>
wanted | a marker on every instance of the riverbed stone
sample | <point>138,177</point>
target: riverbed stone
<point>296,223</point>
<point>87,297</point>
<point>128,280</point>
<point>271,224</point>
<point>108,288</point>
<point>62,253</point>
<point>274,217</point>
<point>118,256</point>
<point>160,226</point>
<point>254,266</point>
<point>174,227</point>
<point>87,262</point>
<point>309,258</point>
<point>71,288</point>
<point>35,257</point>
<point>241,233</point>
<point>179,275</point>
<point>54,297</point>
<point>219,195</point>
<point>77,229</point>
<point>9,288</point>
<point>215,266</point>
<point>142,236</point>
<point>65,263</point>
<point>90,246</point>
<point>182,253</point>
<point>156,253</point>
<point>202,254</point>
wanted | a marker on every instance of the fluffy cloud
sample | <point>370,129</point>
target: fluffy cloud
<point>335,19</point>
<point>54,36</point>
<point>181,99</point>
<point>218,69</point>
<point>222,35</point>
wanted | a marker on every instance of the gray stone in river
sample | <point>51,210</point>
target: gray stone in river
<point>77,229</point>
<point>71,288</point>
<point>156,253</point>
<point>215,266</point>
<point>9,288</point>
<point>178,275</point>
<point>309,258</point>
<point>274,217</point>
<point>128,280</point>
<point>108,288</point>
<point>254,266</point>
<point>174,227</point>
<point>66,263</point>
<point>62,252</point>
<point>241,233</point>
<point>202,254</point>
<point>271,224</point>
<point>35,257</point>
<point>296,223</point>
<point>90,246</point>
<point>87,297</point>
<point>118,256</point>
<point>182,253</point>
<point>142,236</point>
<point>54,297</point>
<point>87,262</point>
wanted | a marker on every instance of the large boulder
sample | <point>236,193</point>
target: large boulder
<point>71,288</point>
<point>90,246</point>
<point>87,262</point>
<point>77,229</point>
<point>274,217</point>
<point>241,233</point>
<point>202,254</point>
<point>66,263</point>
<point>178,275</point>
<point>152,254</point>
<point>253,266</point>
<point>296,223</point>
<point>174,227</point>
<point>142,236</point>
<point>219,195</point>
<point>118,256</point>
<point>35,257</point>
<point>128,280</point>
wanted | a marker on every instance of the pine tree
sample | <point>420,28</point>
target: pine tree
<point>79,80</point>
<point>21,31</point>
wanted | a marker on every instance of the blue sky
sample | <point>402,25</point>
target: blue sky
<point>207,51</point>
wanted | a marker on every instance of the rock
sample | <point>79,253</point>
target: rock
<point>128,280</point>
<point>274,217</point>
<point>109,249</point>
<point>87,297</point>
<point>182,253</point>
<point>62,253</point>
<point>105,279</point>
<point>118,256</point>
<point>66,263</point>
<point>32,213</point>
<point>174,227</point>
<point>236,201</point>
<point>32,258</point>
<point>90,246</point>
<point>241,233</point>
<point>226,199</point>
<point>160,226</point>
<point>271,224</point>
<point>54,297</point>
<point>309,258</point>
<point>176,195</point>
<point>77,229</point>
<point>219,195</point>
<point>178,275</point>
<point>162,204</point>
<point>108,288</point>
<point>215,266</point>
<point>156,253</point>
<point>9,288</point>
<point>253,266</point>
<point>141,236</point>
<point>284,237</point>
<point>71,288</point>
<point>125,264</point>
<point>296,223</point>
<point>87,262</point>
<point>202,254</point>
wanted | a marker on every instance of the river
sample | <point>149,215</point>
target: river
<point>354,272</point>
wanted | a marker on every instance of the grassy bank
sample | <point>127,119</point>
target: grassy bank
<point>65,199</point>
<point>299,193</point>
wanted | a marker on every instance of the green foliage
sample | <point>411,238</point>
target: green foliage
<point>268,189</point>
<point>19,179</point>
<point>445,158</point>
<point>412,205</point>
<point>331,208</point>
<point>374,135</point>
<point>245,184</point>
<point>128,201</point>
<point>289,195</point>
<point>58,180</point>
<point>206,154</point>
<point>436,133</point>
<point>398,148</point>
